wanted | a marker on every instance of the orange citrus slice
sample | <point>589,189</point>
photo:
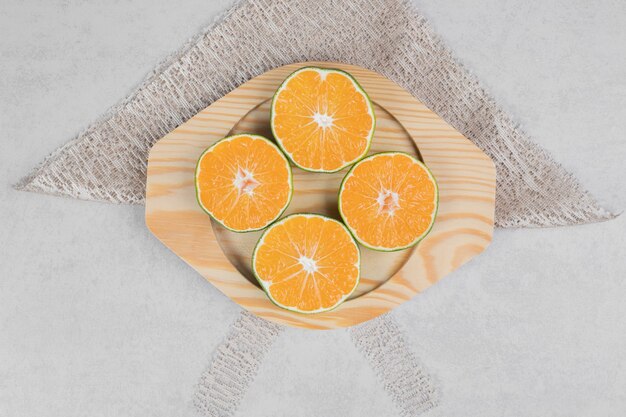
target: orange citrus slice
<point>389,201</point>
<point>243,182</point>
<point>307,263</point>
<point>322,119</point>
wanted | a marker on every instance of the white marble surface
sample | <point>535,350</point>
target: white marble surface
<point>97,318</point>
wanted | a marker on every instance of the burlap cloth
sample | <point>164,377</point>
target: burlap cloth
<point>107,161</point>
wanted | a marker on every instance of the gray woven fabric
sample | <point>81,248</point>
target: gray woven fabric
<point>225,382</point>
<point>382,343</point>
<point>235,364</point>
<point>108,161</point>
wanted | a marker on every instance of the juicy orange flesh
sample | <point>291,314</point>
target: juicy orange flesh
<point>243,182</point>
<point>322,120</point>
<point>308,263</point>
<point>389,201</point>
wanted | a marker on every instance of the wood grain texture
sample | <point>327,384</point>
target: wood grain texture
<point>463,227</point>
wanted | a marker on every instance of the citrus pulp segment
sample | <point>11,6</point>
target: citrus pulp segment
<point>307,263</point>
<point>322,119</point>
<point>389,201</point>
<point>243,182</point>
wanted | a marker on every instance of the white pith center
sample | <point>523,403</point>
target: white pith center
<point>388,202</point>
<point>309,265</point>
<point>323,120</point>
<point>244,182</point>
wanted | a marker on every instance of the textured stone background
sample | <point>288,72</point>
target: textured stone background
<point>97,318</point>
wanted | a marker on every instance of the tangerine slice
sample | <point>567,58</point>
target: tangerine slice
<point>243,182</point>
<point>389,201</point>
<point>307,263</point>
<point>322,119</point>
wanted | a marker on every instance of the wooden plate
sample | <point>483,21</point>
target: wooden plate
<point>463,228</point>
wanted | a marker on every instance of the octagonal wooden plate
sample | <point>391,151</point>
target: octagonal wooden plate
<point>463,227</point>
